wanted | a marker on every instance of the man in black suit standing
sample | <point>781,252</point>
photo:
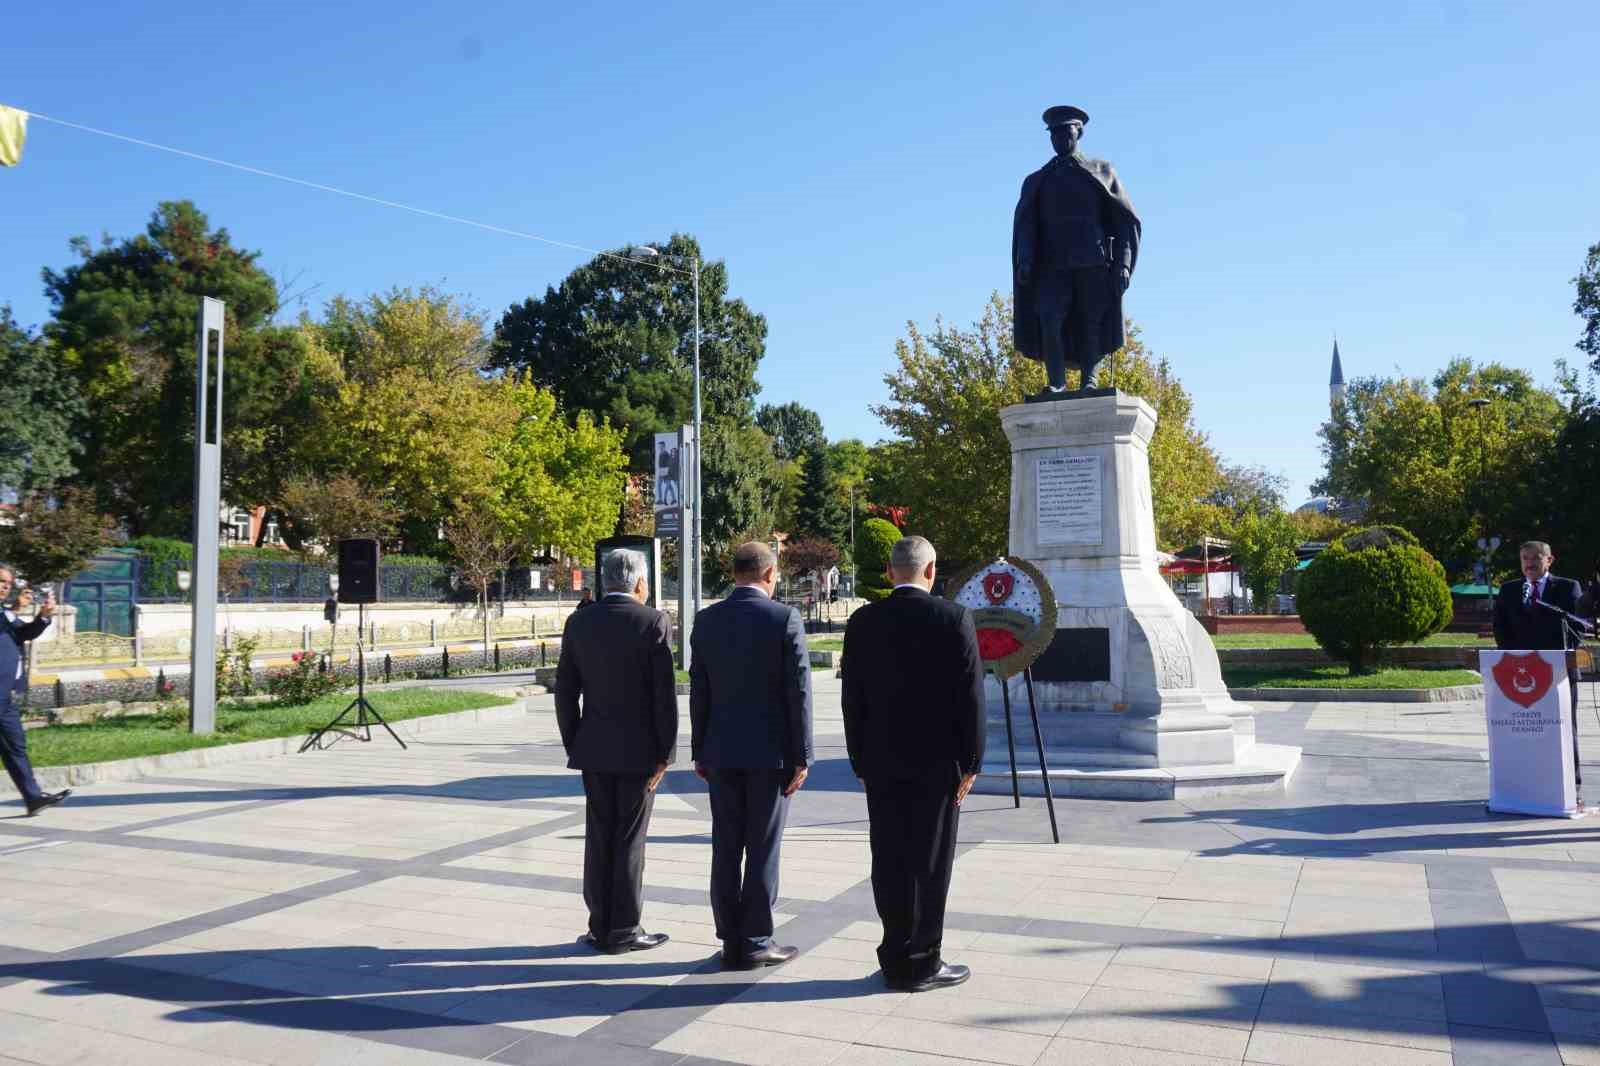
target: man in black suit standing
<point>618,658</point>
<point>1519,620</point>
<point>1521,624</point>
<point>750,706</point>
<point>14,633</point>
<point>914,725</point>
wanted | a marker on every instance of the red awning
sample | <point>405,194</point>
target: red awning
<point>1223,565</point>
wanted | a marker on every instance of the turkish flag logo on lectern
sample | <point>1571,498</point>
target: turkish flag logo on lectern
<point>1523,678</point>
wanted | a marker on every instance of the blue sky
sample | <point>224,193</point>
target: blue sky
<point>1420,178</point>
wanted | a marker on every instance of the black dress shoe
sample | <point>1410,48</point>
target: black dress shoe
<point>771,955</point>
<point>947,976</point>
<point>49,799</point>
<point>637,942</point>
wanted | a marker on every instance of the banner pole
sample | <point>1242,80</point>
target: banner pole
<point>1044,772</point>
<point>1011,744</point>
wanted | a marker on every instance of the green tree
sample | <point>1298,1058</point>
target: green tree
<point>1264,548</point>
<point>124,324</point>
<point>796,430</point>
<point>849,461</point>
<point>1423,456</point>
<point>874,540</point>
<point>319,513</point>
<point>483,544</point>
<point>1371,589</point>
<point>1249,488</point>
<point>818,512</point>
<point>953,472</point>
<point>44,405</point>
<point>406,412</point>
<point>741,486</point>
<point>556,483</point>
<point>52,535</point>
<point>1586,305</point>
<point>616,339</point>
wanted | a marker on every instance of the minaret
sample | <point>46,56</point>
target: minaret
<point>1336,380</point>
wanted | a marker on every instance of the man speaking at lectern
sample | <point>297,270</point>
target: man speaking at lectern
<point>1520,623</point>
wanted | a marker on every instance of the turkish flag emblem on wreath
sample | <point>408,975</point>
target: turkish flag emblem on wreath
<point>1523,678</point>
<point>997,586</point>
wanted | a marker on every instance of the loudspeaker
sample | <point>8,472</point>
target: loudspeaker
<point>358,571</point>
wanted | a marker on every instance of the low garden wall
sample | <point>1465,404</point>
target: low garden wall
<point>142,685</point>
<point>1251,623</point>
<point>1422,655</point>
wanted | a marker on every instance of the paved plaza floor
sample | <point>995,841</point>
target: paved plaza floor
<point>368,905</point>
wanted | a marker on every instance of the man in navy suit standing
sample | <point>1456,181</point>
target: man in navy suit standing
<point>750,708</point>
<point>14,633</point>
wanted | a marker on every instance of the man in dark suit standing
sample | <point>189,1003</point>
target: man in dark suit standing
<point>914,724</point>
<point>1520,624</point>
<point>14,633</point>
<point>618,658</point>
<point>1519,621</point>
<point>750,706</point>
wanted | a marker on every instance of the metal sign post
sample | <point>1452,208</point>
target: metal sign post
<point>207,514</point>
<point>676,466</point>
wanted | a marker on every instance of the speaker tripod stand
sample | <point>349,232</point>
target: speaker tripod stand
<point>366,713</point>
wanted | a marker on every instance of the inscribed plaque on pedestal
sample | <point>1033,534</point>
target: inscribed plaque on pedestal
<point>1068,509</point>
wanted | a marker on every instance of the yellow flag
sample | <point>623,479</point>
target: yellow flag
<point>13,131</point>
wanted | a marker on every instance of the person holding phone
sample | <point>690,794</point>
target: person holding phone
<point>14,633</point>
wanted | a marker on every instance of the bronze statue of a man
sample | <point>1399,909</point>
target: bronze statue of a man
<point>1074,245</point>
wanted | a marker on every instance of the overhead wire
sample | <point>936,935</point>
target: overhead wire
<point>442,216</point>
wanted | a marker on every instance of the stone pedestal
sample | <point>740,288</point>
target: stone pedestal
<point>1131,699</point>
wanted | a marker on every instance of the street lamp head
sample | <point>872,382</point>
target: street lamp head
<point>1478,402</point>
<point>333,582</point>
<point>643,251</point>
<point>183,580</point>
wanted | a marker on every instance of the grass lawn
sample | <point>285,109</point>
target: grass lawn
<point>1305,640</point>
<point>816,643</point>
<point>1332,676</point>
<point>129,738</point>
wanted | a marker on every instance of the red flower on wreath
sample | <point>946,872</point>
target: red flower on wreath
<point>996,644</point>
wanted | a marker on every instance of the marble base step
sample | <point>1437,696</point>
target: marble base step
<point>1264,767</point>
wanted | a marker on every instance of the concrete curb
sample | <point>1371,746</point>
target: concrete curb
<point>1451,694</point>
<point>52,778</point>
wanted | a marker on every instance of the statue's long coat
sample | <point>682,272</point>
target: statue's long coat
<point>1024,246</point>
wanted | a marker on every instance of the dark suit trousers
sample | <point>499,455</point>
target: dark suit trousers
<point>914,824</point>
<point>748,809</point>
<point>14,750</point>
<point>617,819</point>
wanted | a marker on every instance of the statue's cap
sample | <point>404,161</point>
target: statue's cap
<point>1061,114</point>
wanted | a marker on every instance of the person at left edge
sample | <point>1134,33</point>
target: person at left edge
<point>617,708</point>
<point>13,740</point>
<point>750,707</point>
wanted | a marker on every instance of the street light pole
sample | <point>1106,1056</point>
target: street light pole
<point>699,440</point>
<point>645,252</point>
<point>852,538</point>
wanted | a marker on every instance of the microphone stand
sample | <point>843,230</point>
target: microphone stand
<point>1573,628</point>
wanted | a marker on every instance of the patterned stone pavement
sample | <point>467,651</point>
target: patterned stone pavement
<point>368,905</point>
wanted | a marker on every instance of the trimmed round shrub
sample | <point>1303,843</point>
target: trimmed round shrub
<point>874,540</point>
<point>1370,589</point>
